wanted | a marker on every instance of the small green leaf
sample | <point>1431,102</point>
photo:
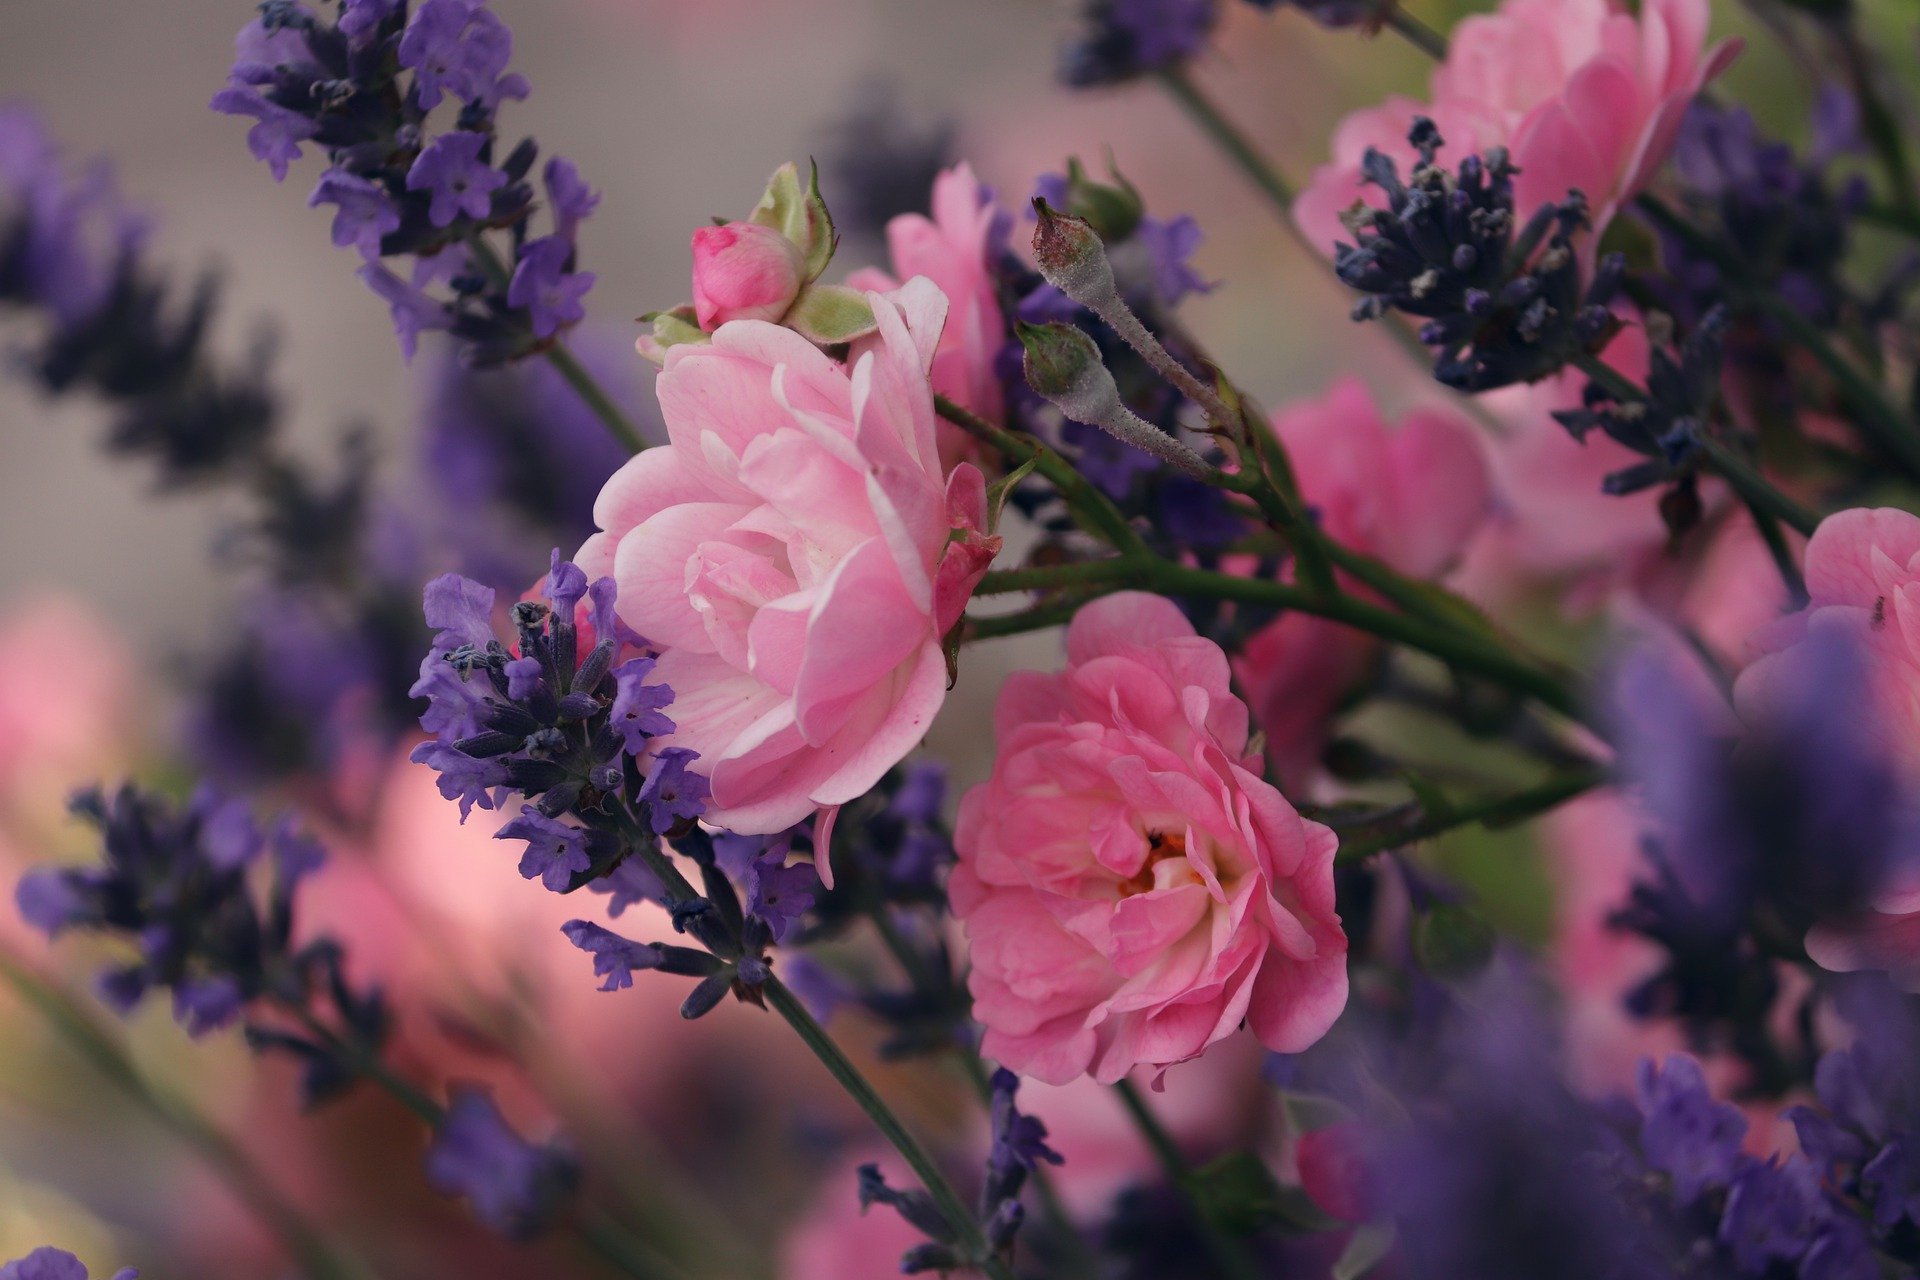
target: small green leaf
<point>830,313</point>
<point>1365,1250</point>
<point>1452,941</point>
<point>1240,1194</point>
<point>1000,490</point>
<point>670,329</point>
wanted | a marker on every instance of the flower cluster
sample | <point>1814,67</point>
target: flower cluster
<point>180,882</point>
<point>1503,301</point>
<point>73,251</point>
<point>364,88</point>
<point>48,1263</point>
<point>559,719</point>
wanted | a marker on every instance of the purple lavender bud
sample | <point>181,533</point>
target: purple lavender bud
<point>672,793</point>
<point>512,1185</point>
<point>556,851</point>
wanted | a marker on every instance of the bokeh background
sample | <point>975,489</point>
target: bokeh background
<point>676,112</point>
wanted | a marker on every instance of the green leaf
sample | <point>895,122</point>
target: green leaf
<point>1365,1250</point>
<point>1240,1194</point>
<point>1452,941</point>
<point>830,313</point>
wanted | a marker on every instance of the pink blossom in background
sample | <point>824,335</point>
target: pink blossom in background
<point>1584,95</point>
<point>743,271</point>
<point>1411,495</point>
<point>954,248</point>
<point>65,695</point>
<point>1132,889</point>
<point>796,552</point>
<point>1863,581</point>
<point>836,1240</point>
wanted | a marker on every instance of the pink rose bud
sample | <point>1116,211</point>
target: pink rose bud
<point>1332,1172</point>
<point>743,271</point>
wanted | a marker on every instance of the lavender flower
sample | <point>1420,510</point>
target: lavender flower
<point>363,88</point>
<point>1503,302</point>
<point>778,894</point>
<point>47,1263</point>
<point>542,724</point>
<point>512,1185</point>
<point>181,885</point>
<point>1123,39</point>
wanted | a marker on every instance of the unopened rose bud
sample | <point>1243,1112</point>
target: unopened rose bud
<point>1063,366</point>
<point>1113,209</point>
<point>744,271</point>
<point>1072,258</point>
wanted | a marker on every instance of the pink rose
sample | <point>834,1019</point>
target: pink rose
<point>744,271</point>
<point>1585,96</point>
<point>954,249</point>
<point>1863,581</point>
<point>1411,496</point>
<point>1132,889</point>
<point>796,555</point>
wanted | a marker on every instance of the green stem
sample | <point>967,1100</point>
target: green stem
<point>591,393</point>
<point>316,1258</point>
<point>1497,811</point>
<point>1228,1253</point>
<point>966,1230</point>
<point>1056,612</point>
<point>1879,418</point>
<point>1756,491</point>
<point>1416,33</point>
<point>1093,509</point>
<point>1878,121</point>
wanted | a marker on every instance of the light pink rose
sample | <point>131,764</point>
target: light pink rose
<point>1411,496</point>
<point>743,271</point>
<point>1132,889</point>
<point>1863,581</point>
<point>1585,96</point>
<point>954,249</point>
<point>796,554</point>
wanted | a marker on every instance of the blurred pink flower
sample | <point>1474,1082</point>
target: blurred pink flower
<point>1411,495</point>
<point>797,554</point>
<point>954,249</point>
<point>1584,95</point>
<point>743,271</point>
<point>65,699</point>
<point>837,1240</point>
<point>1863,581</point>
<point>1132,889</point>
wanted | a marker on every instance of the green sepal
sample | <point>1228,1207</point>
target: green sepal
<point>800,214</point>
<point>830,314</point>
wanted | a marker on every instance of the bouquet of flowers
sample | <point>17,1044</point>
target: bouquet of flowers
<point>1472,839</point>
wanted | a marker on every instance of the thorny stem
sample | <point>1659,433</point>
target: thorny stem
<point>1094,509</point>
<point>591,393</point>
<point>1457,648</point>
<point>1227,1252</point>
<point>1416,33</point>
<point>317,1259</point>
<point>1496,811</point>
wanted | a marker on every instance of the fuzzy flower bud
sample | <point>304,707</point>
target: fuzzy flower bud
<point>743,271</point>
<point>1072,258</point>
<point>1063,366</point>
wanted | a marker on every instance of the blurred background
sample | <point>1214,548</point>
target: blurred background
<point>675,112</point>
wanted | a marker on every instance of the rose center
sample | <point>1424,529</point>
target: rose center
<point>1160,847</point>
